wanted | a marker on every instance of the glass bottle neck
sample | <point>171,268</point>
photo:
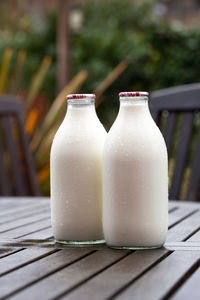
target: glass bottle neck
<point>81,108</point>
<point>81,102</point>
<point>133,107</point>
<point>133,101</point>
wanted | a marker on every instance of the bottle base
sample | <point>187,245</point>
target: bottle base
<point>135,247</point>
<point>80,243</point>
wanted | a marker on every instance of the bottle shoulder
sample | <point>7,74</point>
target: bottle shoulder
<point>80,136</point>
<point>142,136</point>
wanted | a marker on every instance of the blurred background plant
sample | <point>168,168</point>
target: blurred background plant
<point>112,46</point>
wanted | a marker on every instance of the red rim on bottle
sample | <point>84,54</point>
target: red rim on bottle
<point>133,94</point>
<point>80,96</point>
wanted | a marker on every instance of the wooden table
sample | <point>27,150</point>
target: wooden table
<point>32,266</point>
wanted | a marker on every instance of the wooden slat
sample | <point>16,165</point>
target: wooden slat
<point>190,289</point>
<point>18,202</point>
<point>23,222</point>
<point>18,182</point>
<point>184,229</point>
<point>26,199</point>
<point>183,204</point>
<point>69,277</point>
<point>23,201</point>
<point>159,281</point>
<point>9,204</point>
<point>9,251</point>
<point>168,131</point>
<point>176,98</point>
<point>37,270</point>
<point>181,155</point>
<point>109,282</point>
<point>22,231</point>
<point>172,205</point>
<point>194,180</point>
<point>31,172</point>
<point>11,105</point>
<point>186,246</point>
<point>195,237</point>
<point>180,214</point>
<point>21,208</point>
<point>40,234</point>
<point>12,218</point>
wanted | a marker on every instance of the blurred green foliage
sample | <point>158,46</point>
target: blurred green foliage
<point>37,45</point>
<point>159,54</point>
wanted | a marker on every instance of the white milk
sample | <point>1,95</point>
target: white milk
<point>135,179</point>
<point>76,174</point>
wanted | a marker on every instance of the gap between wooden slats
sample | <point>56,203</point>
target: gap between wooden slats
<point>195,237</point>
<point>194,180</point>
<point>18,182</point>
<point>10,252</point>
<point>44,234</point>
<point>168,131</point>
<point>180,214</point>
<point>186,228</point>
<point>190,288</point>
<point>4,183</point>
<point>181,154</point>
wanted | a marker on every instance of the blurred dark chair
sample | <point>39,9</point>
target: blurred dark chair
<point>176,111</point>
<point>17,172</point>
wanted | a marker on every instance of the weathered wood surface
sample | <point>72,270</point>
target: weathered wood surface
<point>33,266</point>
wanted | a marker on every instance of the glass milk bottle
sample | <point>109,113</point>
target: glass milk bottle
<point>135,178</point>
<point>76,174</point>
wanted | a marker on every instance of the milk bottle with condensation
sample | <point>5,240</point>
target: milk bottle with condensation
<point>135,178</point>
<point>76,174</point>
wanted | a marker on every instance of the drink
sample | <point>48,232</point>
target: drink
<point>76,174</point>
<point>135,180</point>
